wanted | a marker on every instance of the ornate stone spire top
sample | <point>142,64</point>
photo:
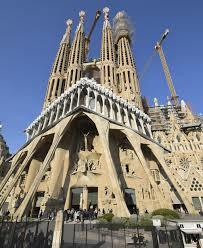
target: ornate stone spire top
<point>66,37</point>
<point>82,15</point>
<point>69,22</point>
<point>106,13</point>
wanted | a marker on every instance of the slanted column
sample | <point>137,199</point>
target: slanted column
<point>51,117</point>
<point>103,102</point>
<point>71,102</point>
<point>78,100</point>
<point>150,130</point>
<point>135,122</point>
<point>142,125</point>
<point>127,118</point>
<point>56,173</point>
<point>45,122</point>
<point>119,112</point>
<point>95,102</point>
<point>39,126</point>
<point>64,107</point>
<point>57,112</point>
<point>32,172</point>
<point>34,131</point>
<point>87,98</point>
<point>111,109</point>
<point>27,135</point>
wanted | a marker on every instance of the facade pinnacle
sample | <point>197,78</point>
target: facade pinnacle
<point>128,85</point>
<point>108,61</point>
<point>106,13</point>
<point>57,79</point>
<point>77,53</point>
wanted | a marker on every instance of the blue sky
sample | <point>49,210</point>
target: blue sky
<point>30,32</point>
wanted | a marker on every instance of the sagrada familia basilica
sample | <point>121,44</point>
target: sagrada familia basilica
<point>97,143</point>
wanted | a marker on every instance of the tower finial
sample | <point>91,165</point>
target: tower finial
<point>106,13</point>
<point>69,22</point>
<point>81,15</point>
<point>0,127</point>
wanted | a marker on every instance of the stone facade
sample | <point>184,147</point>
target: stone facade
<point>92,144</point>
<point>4,154</point>
<point>179,130</point>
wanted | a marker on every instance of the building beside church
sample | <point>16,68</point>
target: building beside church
<point>93,144</point>
<point>4,154</point>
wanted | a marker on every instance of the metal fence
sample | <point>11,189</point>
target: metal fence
<point>39,234</point>
<point>26,233</point>
<point>95,235</point>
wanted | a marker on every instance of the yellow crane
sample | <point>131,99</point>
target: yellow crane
<point>159,49</point>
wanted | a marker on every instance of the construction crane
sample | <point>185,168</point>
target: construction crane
<point>87,38</point>
<point>159,49</point>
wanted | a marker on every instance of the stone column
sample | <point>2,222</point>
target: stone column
<point>95,106</point>
<point>64,107</point>
<point>87,98</point>
<point>78,100</point>
<point>103,107</point>
<point>111,110</point>
<point>71,102</point>
<point>32,172</point>
<point>56,173</point>
<point>51,117</point>
<point>142,125</point>
<point>102,126</point>
<point>85,198</point>
<point>119,113</point>
<point>57,112</point>
<point>135,122</point>
<point>127,118</point>
<point>150,130</point>
<point>45,122</point>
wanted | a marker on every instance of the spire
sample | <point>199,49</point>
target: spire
<point>108,64</point>
<point>57,80</point>
<point>127,76</point>
<point>77,53</point>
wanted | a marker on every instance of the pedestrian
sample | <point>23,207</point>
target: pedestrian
<point>40,214</point>
<point>95,213</point>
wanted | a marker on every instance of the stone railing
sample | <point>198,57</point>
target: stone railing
<point>92,96</point>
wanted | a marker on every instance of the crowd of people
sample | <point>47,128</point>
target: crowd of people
<point>83,214</point>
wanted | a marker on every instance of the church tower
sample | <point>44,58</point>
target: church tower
<point>127,76</point>
<point>108,66</point>
<point>93,145</point>
<point>57,80</point>
<point>77,54</point>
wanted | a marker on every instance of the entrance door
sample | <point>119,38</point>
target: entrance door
<point>37,203</point>
<point>92,201</point>
<point>130,200</point>
<point>76,198</point>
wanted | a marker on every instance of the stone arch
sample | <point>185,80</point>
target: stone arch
<point>75,99</point>
<point>115,111</point>
<point>99,104</point>
<point>124,160</point>
<point>139,127</point>
<point>130,120</point>
<point>31,171</point>
<point>83,96</point>
<point>107,108</point>
<point>92,100</point>
<point>84,155</point>
<point>122,116</point>
<point>146,130</point>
